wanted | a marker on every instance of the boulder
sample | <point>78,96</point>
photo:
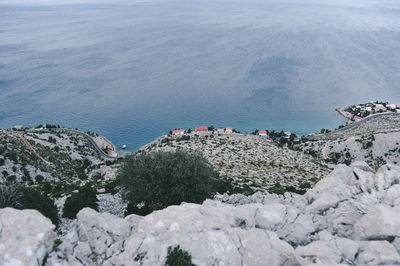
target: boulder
<point>213,235</point>
<point>392,196</point>
<point>93,238</point>
<point>377,253</point>
<point>328,249</point>
<point>26,237</point>
<point>380,223</point>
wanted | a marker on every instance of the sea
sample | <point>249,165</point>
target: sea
<point>132,70</point>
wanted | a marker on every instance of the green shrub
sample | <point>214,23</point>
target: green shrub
<point>277,189</point>
<point>19,197</point>
<point>85,197</point>
<point>10,196</point>
<point>2,162</point>
<point>178,257</point>
<point>56,243</point>
<point>39,178</point>
<point>34,199</point>
<point>159,179</point>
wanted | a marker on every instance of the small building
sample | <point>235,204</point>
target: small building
<point>178,132</point>
<point>18,127</point>
<point>228,130</point>
<point>220,130</point>
<point>262,133</point>
<point>368,108</point>
<point>201,129</point>
<point>357,118</point>
<point>391,106</point>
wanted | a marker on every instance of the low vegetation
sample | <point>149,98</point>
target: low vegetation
<point>21,197</point>
<point>178,257</point>
<point>156,180</point>
<point>85,197</point>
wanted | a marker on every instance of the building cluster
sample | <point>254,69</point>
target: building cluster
<point>361,111</point>
<point>227,130</point>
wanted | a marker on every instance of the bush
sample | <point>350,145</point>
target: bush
<point>19,197</point>
<point>34,199</point>
<point>277,189</point>
<point>1,162</point>
<point>85,197</point>
<point>178,257</point>
<point>10,196</point>
<point>160,179</point>
<point>39,178</point>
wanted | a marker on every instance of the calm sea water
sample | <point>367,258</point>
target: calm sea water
<point>133,70</point>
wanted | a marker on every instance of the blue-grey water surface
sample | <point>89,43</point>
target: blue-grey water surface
<point>133,70</point>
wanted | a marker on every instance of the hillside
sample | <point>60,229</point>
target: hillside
<point>351,217</point>
<point>249,160</point>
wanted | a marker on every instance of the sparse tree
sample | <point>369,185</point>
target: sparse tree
<point>159,179</point>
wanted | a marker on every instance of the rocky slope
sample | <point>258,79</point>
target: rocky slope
<point>350,217</point>
<point>249,159</point>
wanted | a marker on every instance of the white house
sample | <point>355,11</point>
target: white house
<point>220,130</point>
<point>262,133</point>
<point>178,132</point>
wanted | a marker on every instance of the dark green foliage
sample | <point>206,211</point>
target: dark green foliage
<point>305,185</point>
<point>10,196</point>
<point>19,197</point>
<point>110,187</point>
<point>34,199</point>
<point>56,243</point>
<point>295,190</point>
<point>160,179</point>
<point>85,197</point>
<point>280,190</point>
<point>277,189</point>
<point>12,156</point>
<point>133,209</point>
<point>178,257</point>
<point>1,162</point>
<point>11,178</point>
<point>39,178</point>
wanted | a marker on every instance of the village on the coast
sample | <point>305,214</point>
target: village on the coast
<point>356,113</point>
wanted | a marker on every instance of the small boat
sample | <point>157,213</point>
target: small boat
<point>124,146</point>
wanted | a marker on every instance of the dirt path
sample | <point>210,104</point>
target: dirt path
<point>24,140</point>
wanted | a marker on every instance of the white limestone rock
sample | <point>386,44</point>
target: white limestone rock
<point>377,253</point>
<point>380,223</point>
<point>392,196</point>
<point>213,235</point>
<point>328,250</point>
<point>94,238</point>
<point>26,237</point>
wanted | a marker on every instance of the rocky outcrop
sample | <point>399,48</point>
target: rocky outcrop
<point>93,238</point>
<point>26,237</point>
<point>350,217</point>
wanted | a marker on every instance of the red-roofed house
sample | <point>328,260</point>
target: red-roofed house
<point>201,129</point>
<point>228,130</point>
<point>178,132</point>
<point>262,133</point>
<point>357,118</point>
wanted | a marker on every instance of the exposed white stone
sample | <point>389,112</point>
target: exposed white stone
<point>381,222</point>
<point>377,253</point>
<point>350,217</point>
<point>26,237</point>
